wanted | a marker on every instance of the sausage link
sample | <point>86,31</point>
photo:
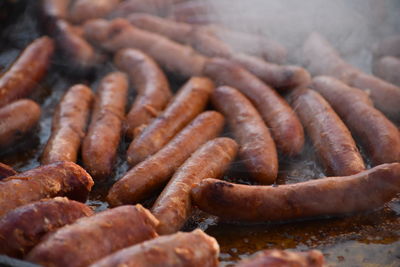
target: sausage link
<point>82,10</point>
<point>6,171</point>
<point>388,68</point>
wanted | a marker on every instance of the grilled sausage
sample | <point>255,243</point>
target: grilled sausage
<point>256,147</point>
<point>151,174</point>
<point>82,10</point>
<point>21,229</point>
<point>173,207</point>
<point>27,71</point>
<point>68,125</point>
<point>379,136</point>
<point>333,196</point>
<point>6,171</point>
<point>388,68</point>
<point>285,127</point>
<point>92,238</point>
<point>187,104</point>
<point>153,92</point>
<point>194,249</point>
<point>17,120</point>
<point>57,179</point>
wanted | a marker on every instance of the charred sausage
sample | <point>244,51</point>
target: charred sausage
<point>82,10</point>
<point>6,171</point>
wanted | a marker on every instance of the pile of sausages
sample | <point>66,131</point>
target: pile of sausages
<point>175,138</point>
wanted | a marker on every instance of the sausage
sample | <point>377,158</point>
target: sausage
<point>151,84</point>
<point>284,124</point>
<point>154,172</point>
<point>187,104</point>
<point>68,125</point>
<point>57,179</point>
<point>17,120</point>
<point>6,171</point>
<point>82,10</point>
<point>194,249</point>
<point>27,71</point>
<point>92,238</point>
<point>389,46</point>
<point>173,207</point>
<point>378,135</point>
<point>333,196</point>
<point>100,145</point>
<point>256,147</point>
<point>156,7</point>
<point>331,139</point>
<point>388,68</point>
<point>21,229</point>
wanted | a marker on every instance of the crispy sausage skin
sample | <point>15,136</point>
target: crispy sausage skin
<point>21,229</point>
<point>388,68</point>
<point>100,145</point>
<point>333,196</point>
<point>378,135</point>
<point>57,179</point>
<point>173,207</point>
<point>194,249</point>
<point>27,71</point>
<point>92,238</point>
<point>331,139</point>
<point>151,84</point>
<point>68,125</point>
<point>151,174</point>
<point>284,124</point>
<point>16,120</point>
<point>6,171</point>
<point>82,10</point>
<point>256,147</point>
<point>187,104</point>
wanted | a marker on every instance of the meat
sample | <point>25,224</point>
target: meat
<point>333,196</point>
<point>194,249</point>
<point>379,137</point>
<point>153,92</point>
<point>27,71</point>
<point>100,145</point>
<point>154,172</point>
<point>68,125</point>
<point>21,229</point>
<point>388,68</point>
<point>6,171</point>
<point>256,147</point>
<point>92,238</point>
<point>283,123</point>
<point>187,104</point>
<point>57,179</point>
<point>173,207</point>
<point>82,10</point>
<point>17,120</point>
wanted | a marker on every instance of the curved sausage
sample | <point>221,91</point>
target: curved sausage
<point>6,171</point>
<point>57,179</point>
<point>187,104</point>
<point>331,139</point>
<point>194,249</point>
<point>173,207</point>
<point>151,84</point>
<point>151,174</point>
<point>82,10</point>
<point>256,147</point>
<point>92,238</point>
<point>333,196</point>
<point>388,68</point>
<point>17,120</point>
<point>21,229</point>
<point>378,135</point>
<point>284,124</point>
<point>100,145</point>
<point>68,125</point>
<point>27,71</point>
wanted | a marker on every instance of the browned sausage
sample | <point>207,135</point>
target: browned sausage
<point>154,172</point>
<point>156,7</point>
<point>82,10</point>
<point>6,171</point>
<point>331,139</point>
<point>17,120</point>
<point>21,229</point>
<point>92,238</point>
<point>187,104</point>
<point>333,196</point>
<point>195,249</point>
<point>173,207</point>
<point>99,147</point>
<point>153,92</point>
<point>378,135</point>
<point>256,147</point>
<point>388,68</point>
<point>389,46</point>
<point>68,125</point>
<point>27,71</point>
<point>285,127</point>
<point>57,179</point>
